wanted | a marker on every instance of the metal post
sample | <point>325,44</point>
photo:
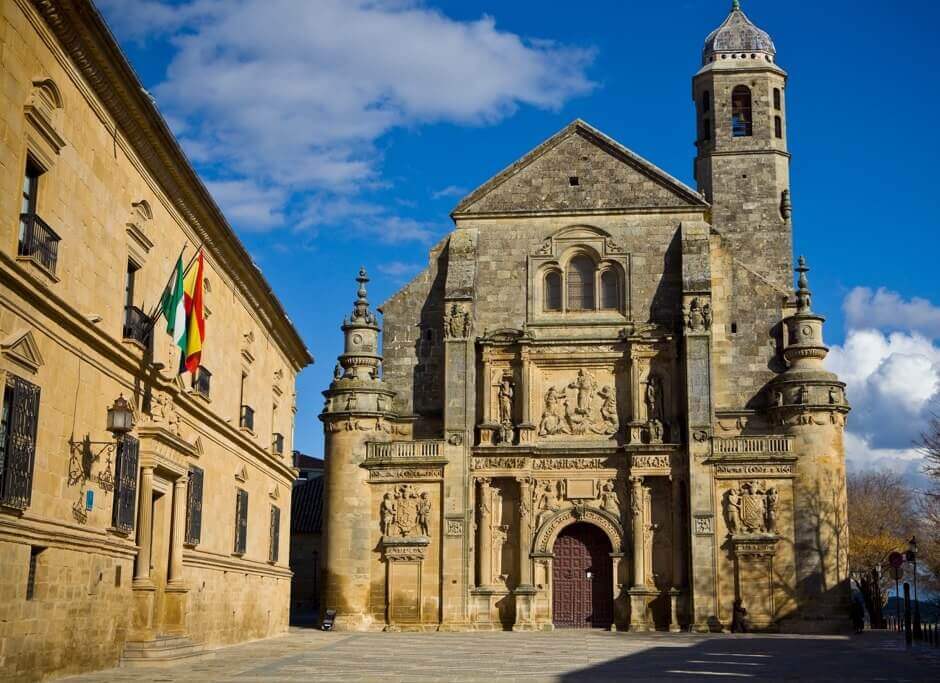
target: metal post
<point>897,603</point>
<point>908,635</point>
<point>917,630</point>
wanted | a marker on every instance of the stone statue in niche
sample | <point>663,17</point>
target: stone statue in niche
<point>707,315</point>
<point>506,394</point>
<point>751,508</point>
<point>654,400</point>
<point>456,323</point>
<point>608,498</point>
<point>586,408</point>
<point>834,398</point>
<point>405,511</point>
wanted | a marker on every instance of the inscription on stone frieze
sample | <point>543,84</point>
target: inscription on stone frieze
<point>405,473</point>
<point>453,527</point>
<point>782,469</point>
<point>569,464</point>
<point>651,461</point>
<point>498,463</point>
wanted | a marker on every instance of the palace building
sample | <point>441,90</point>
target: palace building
<point>143,514</point>
<point>603,403</point>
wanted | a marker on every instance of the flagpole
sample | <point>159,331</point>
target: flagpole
<point>155,314</point>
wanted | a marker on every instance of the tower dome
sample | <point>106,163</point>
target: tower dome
<point>738,38</point>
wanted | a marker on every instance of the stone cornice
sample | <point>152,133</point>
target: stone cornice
<point>88,42</point>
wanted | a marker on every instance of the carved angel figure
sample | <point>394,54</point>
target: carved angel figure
<point>609,410</point>
<point>387,514</point>
<point>733,510</point>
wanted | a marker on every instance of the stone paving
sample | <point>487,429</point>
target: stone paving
<point>310,655</point>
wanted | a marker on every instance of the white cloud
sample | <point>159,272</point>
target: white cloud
<point>250,206</point>
<point>300,102</point>
<point>887,310</point>
<point>398,270</point>
<point>449,191</point>
<point>893,382</point>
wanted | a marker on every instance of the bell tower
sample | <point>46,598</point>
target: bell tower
<point>742,165</point>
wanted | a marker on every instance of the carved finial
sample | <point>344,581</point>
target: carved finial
<point>362,280</point>
<point>803,295</point>
<point>735,5</point>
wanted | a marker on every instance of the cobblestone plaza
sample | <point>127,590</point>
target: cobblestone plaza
<point>582,655</point>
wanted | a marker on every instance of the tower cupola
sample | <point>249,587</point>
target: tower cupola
<point>738,38</point>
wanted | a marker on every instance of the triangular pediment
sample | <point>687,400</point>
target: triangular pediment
<point>23,349</point>
<point>579,170</point>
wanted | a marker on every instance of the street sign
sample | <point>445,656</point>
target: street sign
<point>895,559</point>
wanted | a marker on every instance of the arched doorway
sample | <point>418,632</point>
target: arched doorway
<point>582,581</point>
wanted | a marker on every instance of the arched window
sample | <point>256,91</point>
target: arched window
<point>778,127</point>
<point>553,291</point>
<point>741,123</point>
<point>777,98</point>
<point>580,284</point>
<point>610,290</point>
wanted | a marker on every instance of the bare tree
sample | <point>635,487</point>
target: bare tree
<point>881,517</point>
<point>930,447</point>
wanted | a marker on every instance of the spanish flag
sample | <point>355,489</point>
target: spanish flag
<point>195,321</point>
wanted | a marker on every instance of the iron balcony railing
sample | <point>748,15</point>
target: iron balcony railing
<point>202,382</point>
<point>277,443</point>
<point>247,418</point>
<point>137,325</point>
<point>38,241</point>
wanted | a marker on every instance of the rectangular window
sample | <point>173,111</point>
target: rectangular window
<point>194,506</point>
<point>18,422</point>
<point>129,279</point>
<point>706,130</point>
<point>36,239</point>
<point>125,484</point>
<point>778,127</point>
<point>246,418</point>
<point>274,549</point>
<point>202,382</point>
<point>777,98</point>
<point>34,552</point>
<point>241,521</point>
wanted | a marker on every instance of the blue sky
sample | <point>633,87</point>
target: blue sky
<point>338,133</point>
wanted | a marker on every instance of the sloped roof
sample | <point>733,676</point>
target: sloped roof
<point>306,507</point>
<point>540,193</point>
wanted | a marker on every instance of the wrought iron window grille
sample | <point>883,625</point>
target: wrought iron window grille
<point>38,241</point>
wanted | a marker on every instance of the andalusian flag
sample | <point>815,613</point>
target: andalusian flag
<point>195,322</point>
<point>174,308</point>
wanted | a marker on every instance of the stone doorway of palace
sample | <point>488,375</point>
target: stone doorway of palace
<point>582,580</point>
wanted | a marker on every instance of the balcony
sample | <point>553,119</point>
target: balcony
<point>137,326</point>
<point>404,449</point>
<point>752,445</point>
<point>246,419</point>
<point>38,242</point>
<point>202,382</point>
<point>277,443</point>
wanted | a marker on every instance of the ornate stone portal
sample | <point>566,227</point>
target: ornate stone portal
<point>584,406</point>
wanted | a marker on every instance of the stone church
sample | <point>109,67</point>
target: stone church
<point>603,403</point>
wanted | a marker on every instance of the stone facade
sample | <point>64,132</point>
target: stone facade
<point>100,543</point>
<point>603,403</point>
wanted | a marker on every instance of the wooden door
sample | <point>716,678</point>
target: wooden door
<point>582,582</point>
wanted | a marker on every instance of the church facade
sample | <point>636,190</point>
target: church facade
<point>603,403</point>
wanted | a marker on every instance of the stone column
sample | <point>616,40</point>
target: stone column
<point>636,507</point>
<point>144,526</point>
<point>525,592</point>
<point>176,538</point>
<point>678,538</point>
<point>485,546</point>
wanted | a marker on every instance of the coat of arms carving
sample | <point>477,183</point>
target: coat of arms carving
<point>751,508</point>
<point>406,511</point>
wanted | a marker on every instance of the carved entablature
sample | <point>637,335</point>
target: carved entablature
<point>644,464</point>
<point>386,475</point>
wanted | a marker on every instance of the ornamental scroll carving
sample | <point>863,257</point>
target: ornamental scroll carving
<point>751,508</point>
<point>405,512</point>
<point>581,407</point>
<point>457,322</point>
<point>651,461</point>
